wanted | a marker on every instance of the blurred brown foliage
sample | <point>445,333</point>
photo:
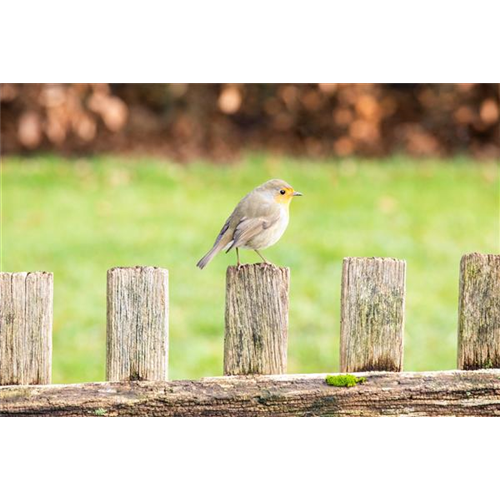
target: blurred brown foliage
<point>186,121</point>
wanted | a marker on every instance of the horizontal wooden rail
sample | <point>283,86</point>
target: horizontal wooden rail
<point>451,393</point>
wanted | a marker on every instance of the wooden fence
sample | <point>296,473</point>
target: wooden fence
<point>255,349</point>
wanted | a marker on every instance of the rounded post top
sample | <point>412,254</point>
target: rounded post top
<point>258,265</point>
<point>372,259</point>
<point>27,273</point>
<point>136,269</point>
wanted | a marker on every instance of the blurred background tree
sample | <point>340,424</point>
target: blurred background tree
<point>218,121</point>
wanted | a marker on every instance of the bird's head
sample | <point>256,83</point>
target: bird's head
<point>280,191</point>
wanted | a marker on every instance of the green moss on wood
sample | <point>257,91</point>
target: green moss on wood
<point>346,380</point>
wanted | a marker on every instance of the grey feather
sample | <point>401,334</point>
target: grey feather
<point>248,228</point>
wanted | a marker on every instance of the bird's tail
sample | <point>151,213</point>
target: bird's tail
<point>209,256</point>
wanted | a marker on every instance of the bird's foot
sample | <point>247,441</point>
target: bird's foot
<point>264,260</point>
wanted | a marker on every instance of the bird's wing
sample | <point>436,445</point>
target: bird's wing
<point>222,232</point>
<point>247,228</point>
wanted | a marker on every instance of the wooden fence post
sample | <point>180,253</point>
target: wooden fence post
<point>479,312</point>
<point>256,331</point>
<point>137,324</point>
<point>372,314</point>
<point>26,328</point>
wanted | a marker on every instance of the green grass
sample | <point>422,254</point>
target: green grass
<point>80,217</point>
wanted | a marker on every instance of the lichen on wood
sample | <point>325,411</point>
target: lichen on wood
<point>479,312</point>
<point>344,380</point>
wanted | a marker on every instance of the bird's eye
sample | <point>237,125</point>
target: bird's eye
<point>282,191</point>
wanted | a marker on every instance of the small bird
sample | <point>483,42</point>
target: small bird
<point>258,221</point>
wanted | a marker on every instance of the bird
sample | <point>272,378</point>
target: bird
<point>258,221</point>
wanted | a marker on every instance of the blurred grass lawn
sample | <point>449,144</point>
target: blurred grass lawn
<point>79,217</point>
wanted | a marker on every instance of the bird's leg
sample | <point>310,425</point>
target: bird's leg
<point>262,257</point>
<point>238,257</point>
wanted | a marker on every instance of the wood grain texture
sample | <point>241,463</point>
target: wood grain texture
<point>137,324</point>
<point>479,312</point>
<point>26,328</point>
<point>372,314</point>
<point>256,327</point>
<point>455,393</point>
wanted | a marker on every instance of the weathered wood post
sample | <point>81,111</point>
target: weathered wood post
<point>256,332</point>
<point>26,328</point>
<point>137,324</point>
<point>372,314</point>
<point>479,312</point>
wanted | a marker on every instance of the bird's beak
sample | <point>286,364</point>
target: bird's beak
<point>296,193</point>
